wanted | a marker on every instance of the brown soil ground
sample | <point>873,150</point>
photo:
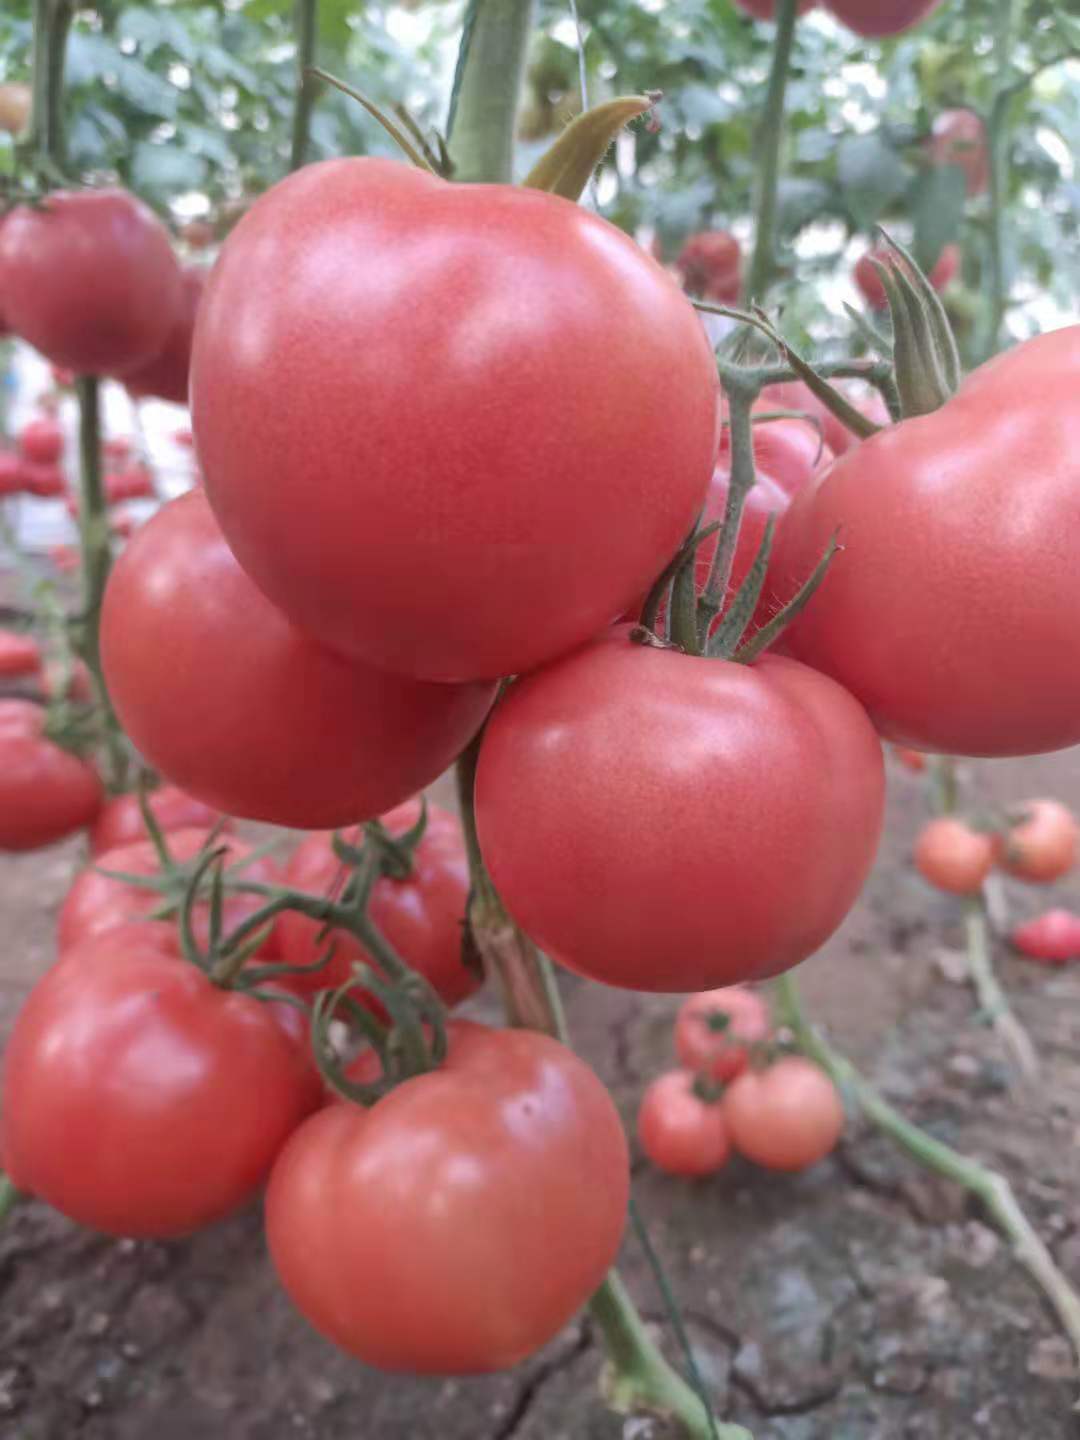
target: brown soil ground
<point>864,1300</point>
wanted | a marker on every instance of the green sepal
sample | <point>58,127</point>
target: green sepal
<point>567,166</point>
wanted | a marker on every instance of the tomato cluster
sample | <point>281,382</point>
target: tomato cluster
<point>1037,843</point>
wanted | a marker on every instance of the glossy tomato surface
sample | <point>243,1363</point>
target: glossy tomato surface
<point>166,374</point>
<point>121,821</point>
<point>96,902</point>
<point>89,279</point>
<point>45,791</point>
<point>421,916</point>
<point>714,1029</point>
<point>240,707</point>
<point>877,18</point>
<point>787,1117</point>
<point>529,378</point>
<point>748,797</point>
<point>680,1132</point>
<point>140,1098</point>
<point>950,611</point>
<point>459,1224</point>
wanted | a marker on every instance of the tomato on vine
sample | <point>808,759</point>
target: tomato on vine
<point>1041,846</point>
<point>681,1132</point>
<point>952,856</point>
<point>46,792</point>
<point>786,1117</point>
<point>715,1028</point>
<point>121,820</point>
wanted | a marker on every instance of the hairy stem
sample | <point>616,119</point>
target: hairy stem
<point>771,137</point>
<point>991,997</point>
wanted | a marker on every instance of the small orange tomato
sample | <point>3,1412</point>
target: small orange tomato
<point>787,1117</point>
<point>680,1131</point>
<point>951,856</point>
<point>714,1028</point>
<point>1042,846</point>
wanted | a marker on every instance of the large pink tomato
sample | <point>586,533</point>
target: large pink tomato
<point>451,429</point>
<point>244,710</point>
<point>951,610</point>
<point>89,279</point>
<point>663,822</point>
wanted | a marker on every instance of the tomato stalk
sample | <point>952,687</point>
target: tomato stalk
<point>997,139</point>
<point>487,89</point>
<point>305,20</point>
<point>763,262</point>
<point>51,22</point>
<point>988,1186</point>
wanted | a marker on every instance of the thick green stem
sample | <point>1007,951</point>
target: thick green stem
<point>51,22</point>
<point>768,155</point>
<point>997,139</point>
<point>492,67</point>
<point>991,997</point>
<point>305,20</point>
<point>990,1188</point>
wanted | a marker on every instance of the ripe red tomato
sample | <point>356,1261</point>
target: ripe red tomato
<point>89,279</point>
<point>285,730</point>
<point>766,9</point>
<point>951,856</point>
<point>45,791</point>
<point>787,1117</point>
<point>913,760</point>
<point>121,821</point>
<point>869,281</point>
<point>609,763</point>
<point>710,265</point>
<point>459,1224</point>
<point>11,481</point>
<point>19,655</point>
<point>140,1098</point>
<point>876,18</point>
<point>681,1133</point>
<point>959,138</point>
<point>521,362</point>
<point>788,451</point>
<point>1042,846</point>
<point>45,481</point>
<point>166,375</point>
<point>135,482</point>
<point>41,440</point>
<point>795,395</point>
<point>715,1027</point>
<point>1053,938</point>
<point>117,447</point>
<point>96,902</point>
<point>950,610</point>
<point>421,916</point>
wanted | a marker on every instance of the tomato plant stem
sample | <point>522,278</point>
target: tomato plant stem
<point>488,86</point>
<point>988,1186</point>
<point>763,263</point>
<point>740,398</point>
<point>9,1197</point>
<point>305,18</point>
<point>51,22</point>
<point>997,139</point>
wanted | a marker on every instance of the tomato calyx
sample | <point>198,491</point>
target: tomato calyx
<point>925,356</point>
<point>567,166</point>
<point>708,1091</point>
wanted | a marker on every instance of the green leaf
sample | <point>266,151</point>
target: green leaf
<point>937,205</point>
<point>799,202</point>
<point>166,168</point>
<point>871,176</point>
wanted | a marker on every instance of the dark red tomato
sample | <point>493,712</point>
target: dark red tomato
<point>787,1117</point>
<point>41,440</point>
<point>89,279</point>
<point>715,1028</point>
<point>243,709</point>
<point>11,481</point>
<point>710,265</point>
<point>610,764</point>
<point>140,1098</point>
<point>959,138</point>
<point>166,375</point>
<point>766,9</point>
<point>133,483</point>
<point>795,395</point>
<point>681,1133</point>
<point>950,610</point>
<point>951,856</point>
<point>19,655</point>
<point>96,902</point>
<point>1053,938</point>
<point>45,481</point>
<point>459,1224</point>
<point>1041,847</point>
<point>876,18</point>
<point>869,281</point>
<point>420,916</point>
<point>45,791</point>
<point>530,378</point>
<point>121,821</point>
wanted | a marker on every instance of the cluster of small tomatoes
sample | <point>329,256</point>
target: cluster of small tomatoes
<point>733,1094</point>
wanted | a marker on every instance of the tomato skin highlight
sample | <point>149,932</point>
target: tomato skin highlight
<point>951,856</point>
<point>950,611</point>
<point>97,903</point>
<point>720,1054</point>
<point>286,730</point>
<point>457,525</point>
<point>45,791</point>
<point>89,279</point>
<point>1053,938</point>
<point>1042,847</point>
<point>787,1117</point>
<point>121,821</point>
<point>421,916</point>
<point>680,1133</point>
<point>459,1224</point>
<point>139,1098</point>
<point>615,762</point>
